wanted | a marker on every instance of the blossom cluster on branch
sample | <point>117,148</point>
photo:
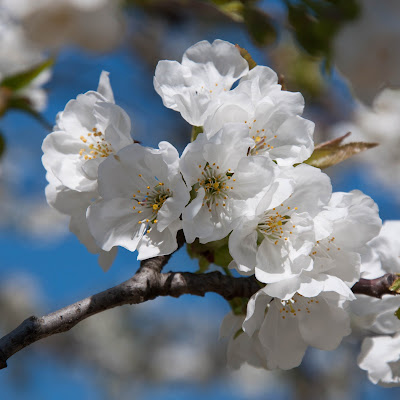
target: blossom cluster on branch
<point>243,179</point>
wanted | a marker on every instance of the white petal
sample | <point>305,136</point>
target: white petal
<point>113,223</point>
<point>104,87</point>
<point>325,326</point>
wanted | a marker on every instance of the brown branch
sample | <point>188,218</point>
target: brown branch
<point>376,287</point>
<point>147,284</point>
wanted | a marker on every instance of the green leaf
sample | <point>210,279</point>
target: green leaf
<point>196,130</point>
<point>203,265</point>
<point>246,55</point>
<point>395,287</point>
<point>216,253</point>
<point>23,104</point>
<point>239,305</point>
<point>233,9</point>
<point>333,152</point>
<point>23,79</point>
<point>397,313</point>
<point>316,22</point>
<point>222,256</point>
<point>260,25</point>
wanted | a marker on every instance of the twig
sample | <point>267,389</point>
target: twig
<point>376,287</point>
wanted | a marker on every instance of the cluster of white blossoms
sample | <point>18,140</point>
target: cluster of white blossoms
<point>95,25</point>
<point>242,177</point>
<point>378,319</point>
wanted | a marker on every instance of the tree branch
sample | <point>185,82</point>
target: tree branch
<point>376,287</point>
<point>147,284</point>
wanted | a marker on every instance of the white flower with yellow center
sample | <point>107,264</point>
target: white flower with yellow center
<point>142,197</point>
<point>343,228</point>
<point>272,115</point>
<point>194,88</point>
<point>88,130</point>
<point>287,327</point>
<point>226,181</point>
<point>275,244</point>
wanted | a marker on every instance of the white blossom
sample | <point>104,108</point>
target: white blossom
<point>227,182</point>
<point>142,197</point>
<point>272,115</point>
<point>387,246</point>
<point>95,25</point>
<point>195,87</point>
<point>377,315</point>
<point>287,327</point>
<point>88,130</point>
<point>380,356</point>
<point>276,243</point>
<point>344,227</point>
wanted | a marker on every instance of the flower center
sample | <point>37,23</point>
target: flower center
<point>275,223</point>
<point>149,201</point>
<point>95,145</point>
<point>260,138</point>
<point>216,185</point>
<point>295,305</point>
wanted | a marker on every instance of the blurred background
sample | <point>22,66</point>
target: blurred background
<point>340,54</point>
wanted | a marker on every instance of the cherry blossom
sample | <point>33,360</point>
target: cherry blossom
<point>287,327</point>
<point>272,115</point>
<point>142,197</point>
<point>276,242</point>
<point>227,182</point>
<point>88,130</point>
<point>196,86</point>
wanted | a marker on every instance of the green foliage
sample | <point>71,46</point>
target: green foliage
<point>12,99</point>
<point>395,287</point>
<point>196,130</point>
<point>316,22</point>
<point>239,305</point>
<point>397,313</point>
<point>216,253</point>
<point>259,25</point>
<point>233,9</point>
<point>23,79</point>
<point>333,152</point>
<point>23,104</point>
